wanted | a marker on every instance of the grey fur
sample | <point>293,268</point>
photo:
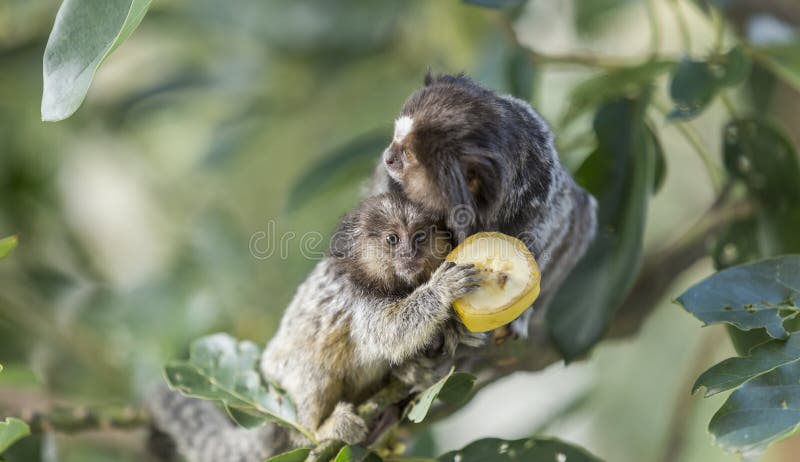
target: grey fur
<point>339,340</point>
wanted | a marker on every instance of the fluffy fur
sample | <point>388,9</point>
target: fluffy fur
<point>364,311</point>
<point>489,163</point>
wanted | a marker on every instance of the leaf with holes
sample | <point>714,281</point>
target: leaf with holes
<point>534,449</point>
<point>620,173</point>
<point>764,158</point>
<point>762,411</point>
<point>7,244</point>
<point>222,369</point>
<point>452,388</point>
<point>761,294</point>
<point>735,371</point>
<point>85,33</point>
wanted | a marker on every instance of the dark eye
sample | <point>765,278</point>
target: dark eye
<point>392,239</point>
<point>420,236</point>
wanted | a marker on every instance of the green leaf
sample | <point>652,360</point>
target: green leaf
<point>734,69</point>
<point>733,372</point>
<point>7,244</point>
<point>750,296</point>
<point>764,158</point>
<point>455,387</point>
<point>356,454</point>
<point>220,368</point>
<point>695,83</point>
<point>612,85</point>
<point>295,455</point>
<point>620,173</point>
<point>762,411</point>
<point>660,174</point>
<point>521,74</point>
<point>783,60</point>
<point>692,88</point>
<point>85,33</point>
<point>339,169</point>
<point>532,449</point>
<point>11,431</point>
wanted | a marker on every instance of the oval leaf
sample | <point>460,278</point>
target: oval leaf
<point>761,294</point>
<point>692,88</point>
<point>735,371</point>
<point>762,411</point>
<point>533,449</point>
<point>620,174</point>
<point>764,157</point>
<point>85,33</point>
<point>220,368</point>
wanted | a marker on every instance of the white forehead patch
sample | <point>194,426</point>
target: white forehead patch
<point>402,127</point>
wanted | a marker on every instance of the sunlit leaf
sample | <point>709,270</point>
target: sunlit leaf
<point>295,455</point>
<point>760,412</point>
<point>222,369</point>
<point>532,449</point>
<point>343,167</point>
<point>783,60</point>
<point>620,173</point>
<point>85,33</point>
<point>7,244</point>
<point>733,372</point>
<point>761,294</point>
<point>356,454</point>
<point>11,431</point>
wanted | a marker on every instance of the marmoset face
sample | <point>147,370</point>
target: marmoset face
<point>401,242</point>
<point>449,145</point>
<point>390,244</point>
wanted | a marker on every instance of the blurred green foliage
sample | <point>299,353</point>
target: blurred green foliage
<point>216,123</point>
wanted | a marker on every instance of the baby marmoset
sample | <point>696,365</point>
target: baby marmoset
<point>378,300</point>
<point>489,163</point>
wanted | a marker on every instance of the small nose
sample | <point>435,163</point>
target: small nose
<point>389,158</point>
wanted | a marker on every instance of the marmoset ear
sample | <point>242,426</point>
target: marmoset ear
<point>344,238</point>
<point>428,77</point>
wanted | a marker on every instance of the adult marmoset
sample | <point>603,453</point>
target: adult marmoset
<point>489,163</point>
<point>378,301</point>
